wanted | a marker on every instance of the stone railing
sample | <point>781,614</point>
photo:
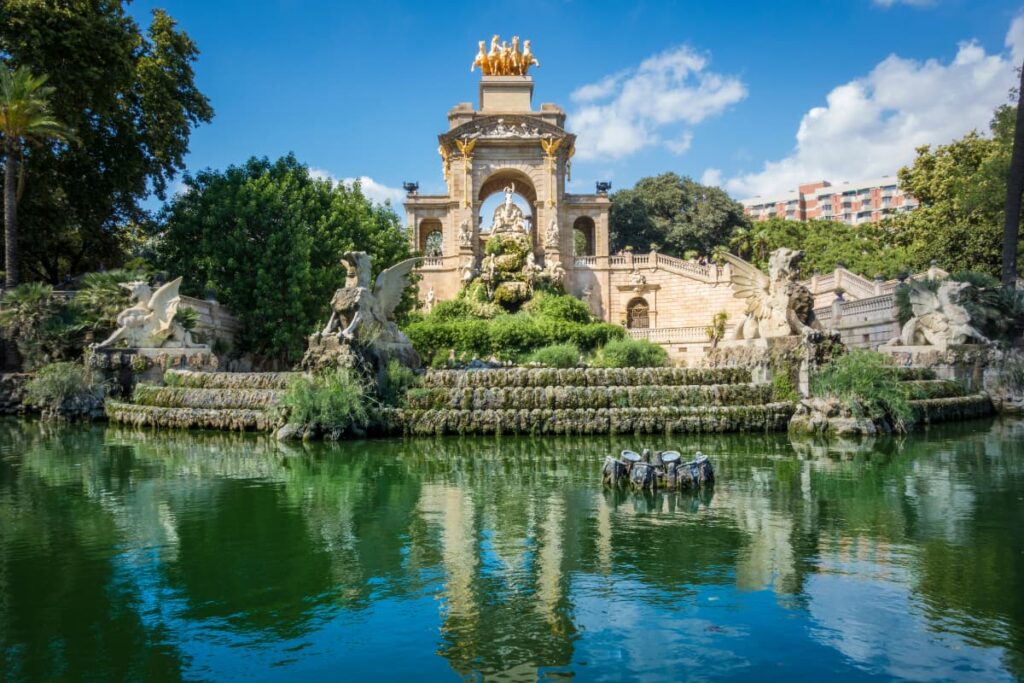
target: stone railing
<point>694,333</point>
<point>672,262</point>
<point>586,261</point>
<point>432,262</point>
<point>863,323</point>
<point>856,286</point>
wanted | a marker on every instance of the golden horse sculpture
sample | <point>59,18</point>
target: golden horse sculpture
<point>504,59</point>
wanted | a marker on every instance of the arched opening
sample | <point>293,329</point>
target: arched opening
<point>583,236</point>
<point>431,238</point>
<point>492,197</point>
<point>638,314</point>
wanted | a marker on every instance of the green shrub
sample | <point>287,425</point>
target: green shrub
<point>631,353</point>
<point>397,379</point>
<point>783,388</point>
<point>56,383</point>
<point>43,328</point>
<point>187,317</point>
<point>560,307</point>
<point>868,384</point>
<point>557,356</point>
<point>334,401</point>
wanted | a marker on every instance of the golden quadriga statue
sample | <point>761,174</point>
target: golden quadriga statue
<point>504,59</point>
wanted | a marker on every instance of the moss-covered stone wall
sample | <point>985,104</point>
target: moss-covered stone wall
<point>661,420</point>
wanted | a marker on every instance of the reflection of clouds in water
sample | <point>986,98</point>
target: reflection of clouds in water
<point>653,637</point>
<point>875,623</point>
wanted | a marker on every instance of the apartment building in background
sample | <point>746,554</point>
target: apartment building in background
<point>853,203</point>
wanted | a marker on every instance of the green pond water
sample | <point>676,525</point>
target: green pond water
<point>128,555</point>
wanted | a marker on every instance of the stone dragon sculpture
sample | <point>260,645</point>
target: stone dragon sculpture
<point>777,305</point>
<point>362,312</point>
<point>939,318</point>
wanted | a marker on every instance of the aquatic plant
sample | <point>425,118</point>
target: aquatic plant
<point>65,390</point>
<point>868,384</point>
<point>332,402</point>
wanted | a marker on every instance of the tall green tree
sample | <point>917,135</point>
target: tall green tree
<point>962,190</point>
<point>267,240</point>
<point>25,119</point>
<point>131,98</point>
<point>676,213</point>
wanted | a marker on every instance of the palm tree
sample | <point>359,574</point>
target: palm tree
<point>1014,189</point>
<point>740,242</point>
<point>25,119</point>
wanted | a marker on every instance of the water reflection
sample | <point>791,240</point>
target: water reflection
<point>182,556</point>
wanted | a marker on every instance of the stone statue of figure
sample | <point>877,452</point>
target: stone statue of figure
<point>429,303</point>
<point>465,235</point>
<point>551,238</point>
<point>507,216</point>
<point>149,323</point>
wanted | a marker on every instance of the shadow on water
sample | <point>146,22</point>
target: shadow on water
<point>174,555</point>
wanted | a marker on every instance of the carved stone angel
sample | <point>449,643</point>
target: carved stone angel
<point>149,323</point>
<point>777,305</point>
<point>939,318</point>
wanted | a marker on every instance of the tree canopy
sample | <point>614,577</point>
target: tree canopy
<point>267,239</point>
<point>132,101</point>
<point>676,213</point>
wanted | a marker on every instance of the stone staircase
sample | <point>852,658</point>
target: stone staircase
<point>204,400</point>
<point>944,400</point>
<point>587,401</point>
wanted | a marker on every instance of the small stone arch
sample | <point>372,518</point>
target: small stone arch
<point>638,314</point>
<point>431,242</point>
<point>583,231</point>
<point>499,179</point>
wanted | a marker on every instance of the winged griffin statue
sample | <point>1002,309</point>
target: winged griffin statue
<point>362,312</point>
<point>939,318</point>
<point>149,323</point>
<point>777,305</point>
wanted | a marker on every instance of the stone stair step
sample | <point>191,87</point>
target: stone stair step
<point>189,397</point>
<point>569,397</point>
<point>664,420</point>
<point>238,419</point>
<point>547,377</point>
<point>228,380</point>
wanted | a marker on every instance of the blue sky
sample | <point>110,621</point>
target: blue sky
<point>715,90</point>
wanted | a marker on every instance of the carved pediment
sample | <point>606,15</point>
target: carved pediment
<point>510,127</point>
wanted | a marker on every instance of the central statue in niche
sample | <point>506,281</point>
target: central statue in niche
<point>508,217</point>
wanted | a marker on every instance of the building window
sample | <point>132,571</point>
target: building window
<point>638,314</point>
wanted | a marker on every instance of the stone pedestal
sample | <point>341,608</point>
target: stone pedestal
<point>505,94</point>
<point>126,367</point>
<point>965,363</point>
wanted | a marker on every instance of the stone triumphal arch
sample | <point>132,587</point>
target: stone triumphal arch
<point>505,145</point>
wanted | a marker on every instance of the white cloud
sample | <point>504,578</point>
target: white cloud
<point>711,177</point>
<point>378,192</point>
<point>872,125</point>
<point>1015,39</point>
<point>374,191</point>
<point>625,112</point>
<point>681,144</point>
